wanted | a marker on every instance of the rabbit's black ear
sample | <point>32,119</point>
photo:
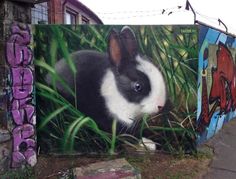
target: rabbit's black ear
<point>129,41</point>
<point>115,48</point>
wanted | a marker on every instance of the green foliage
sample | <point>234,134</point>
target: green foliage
<point>27,172</point>
<point>172,48</point>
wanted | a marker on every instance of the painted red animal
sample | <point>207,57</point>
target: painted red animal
<point>223,87</point>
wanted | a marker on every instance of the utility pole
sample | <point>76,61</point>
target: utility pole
<point>189,6</point>
<point>221,22</point>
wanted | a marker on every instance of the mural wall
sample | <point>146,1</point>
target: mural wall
<point>109,89</point>
<point>216,82</point>
<point>103,89</point>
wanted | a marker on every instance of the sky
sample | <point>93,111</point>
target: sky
<point>152,12</point>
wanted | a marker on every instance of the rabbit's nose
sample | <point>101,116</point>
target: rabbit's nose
<point>159,108</point>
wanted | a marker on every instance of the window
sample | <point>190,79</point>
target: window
<point>40,13</point>
<point>85,20</point>
<point>70,17</point>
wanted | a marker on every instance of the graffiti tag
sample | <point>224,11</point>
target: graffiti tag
<point>223,88</point>
<point>19,58</point>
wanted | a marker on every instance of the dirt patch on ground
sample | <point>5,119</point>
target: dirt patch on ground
<point>158,166</point>
<point>161,166</point>
<point>168,167</point>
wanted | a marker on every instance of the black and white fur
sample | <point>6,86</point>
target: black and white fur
<point>122,84</point>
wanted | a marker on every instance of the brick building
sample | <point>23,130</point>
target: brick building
<point>63,12</point>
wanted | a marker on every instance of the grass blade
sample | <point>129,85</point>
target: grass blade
<point>51,116</point>
<point>113,139</point>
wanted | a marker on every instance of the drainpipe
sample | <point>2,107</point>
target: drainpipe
<point>63,10</point>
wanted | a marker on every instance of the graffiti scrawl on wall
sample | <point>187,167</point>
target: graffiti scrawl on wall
<point>22,110</point>
<point>217,81</point>
<point>223,90</point>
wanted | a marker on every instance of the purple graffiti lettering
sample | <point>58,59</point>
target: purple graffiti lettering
<point>19,116</point>
<point>20,35</point>
<point>21,92</point>
<point>19,58</point>
<point>18,159</point>
<point>18,55</point>
<point>22,76</point>
<point>23,145</point>
<point>21,103</point>
<point>29,156</point>
<point>22,134</point>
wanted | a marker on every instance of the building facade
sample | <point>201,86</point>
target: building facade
<point>63,12</point>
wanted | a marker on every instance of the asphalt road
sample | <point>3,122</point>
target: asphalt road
<point>223,165</point>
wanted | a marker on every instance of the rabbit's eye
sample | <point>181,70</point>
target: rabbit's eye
<point>137,87</point>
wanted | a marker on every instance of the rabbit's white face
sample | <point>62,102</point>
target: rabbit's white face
<point>156,99</point>
<point>133,86</point>
<point>123,109</point>
<point>117,106</point>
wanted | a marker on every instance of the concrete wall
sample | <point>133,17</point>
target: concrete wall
<point>17,114</point>
<point>216,81</point>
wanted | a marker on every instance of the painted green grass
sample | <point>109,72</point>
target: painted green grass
<point>175,54</point>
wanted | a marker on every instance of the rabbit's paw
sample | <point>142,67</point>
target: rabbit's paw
<point>148,144</point>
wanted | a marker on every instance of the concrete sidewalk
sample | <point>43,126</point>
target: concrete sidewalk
<point>223,165</point>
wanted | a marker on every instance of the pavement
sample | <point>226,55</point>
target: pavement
<point>223,165</point>
<point>112,169</point>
